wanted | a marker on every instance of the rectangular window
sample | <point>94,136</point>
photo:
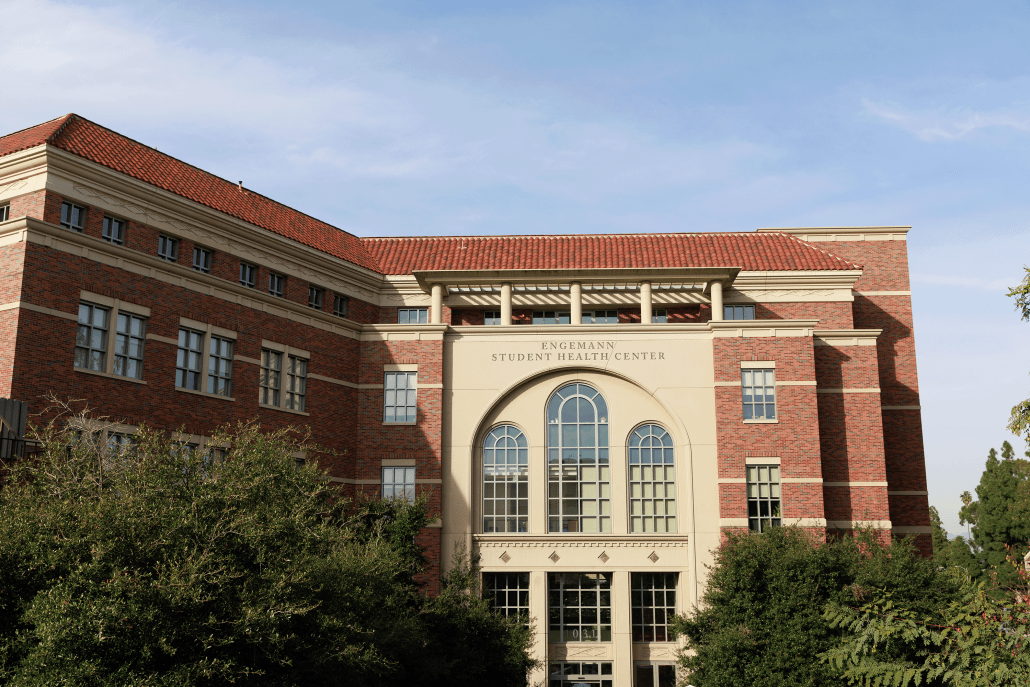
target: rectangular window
<point>654,603</point>
<point>277,285</point>
<point>189,359</point>
<point>168,248</point>
<point>119,443</point>
<point>508,593</point>
<point>399,402</point>
<point>315,296</point>
<point>114,230</point>
<point>399,483</point>
<point>91,338</point>
<point>579,607</point>
<point>219,366</point>
<point>758,392</point>
<point>412,315</point>
<point>763,497</point>
<point>248,275</point>
<point>73,216</point>
<point>128,345</point>
<point>296,382</point>
<point>659,316</point>
<point>340,306</point>
<point>492,317</point>
<point>654,675</point>
<point>202,259</point>
<point>739,312</point>
<point>271,371</point>
<point>5,213</point>
<point>562,673</point>
<point>601,317</point>
<point>551,317</point>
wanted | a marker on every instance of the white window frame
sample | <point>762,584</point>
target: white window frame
<point>207,331</point>
<point>755,367</point>
<point>114,307</point>
<point>504,459</point>
<point>406,486</point>
<point>651,480</point>
<point>757,476</point>
<point>287,352</point>
<point>410,373</point>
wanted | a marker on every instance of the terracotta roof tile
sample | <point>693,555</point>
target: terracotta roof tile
<point>31,137</point>
<point>750,252</point>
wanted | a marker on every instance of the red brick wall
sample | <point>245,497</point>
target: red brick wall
<point>831,315</point>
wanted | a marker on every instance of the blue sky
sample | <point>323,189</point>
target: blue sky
<point>389,118</point>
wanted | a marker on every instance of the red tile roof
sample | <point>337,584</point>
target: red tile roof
<point>403,255</point>
<point>766,251</point>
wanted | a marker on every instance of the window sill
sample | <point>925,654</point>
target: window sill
<point>204,393</point>
<point>762,422</point>
<point>108,375</point>
<point>405,422</point>
<point>284,410</point>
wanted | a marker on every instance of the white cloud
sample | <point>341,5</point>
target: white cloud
<point>943,124</point>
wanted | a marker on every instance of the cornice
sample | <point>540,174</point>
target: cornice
<point>761,328</point>
<point>846,337</point>
<point>506,331</point>
<point>508,540</point>
<point>427,278</point>
<point>154,206</point>
<point>21,165</point>
<point>816,234</point>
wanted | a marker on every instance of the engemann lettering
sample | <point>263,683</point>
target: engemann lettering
<point>603,351</point>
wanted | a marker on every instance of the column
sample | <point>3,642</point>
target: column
<point>539,620</point>
<point>717,311</point>
<point>645,302</point>
<point>505,303</point>
<point>436,309</point>
<point>576,303</point>
<point>622,628</point>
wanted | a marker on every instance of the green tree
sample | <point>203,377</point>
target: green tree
<point>1019,421</point>
<point>156,565</point>
<point>951,553</point>
<point>761,620</point>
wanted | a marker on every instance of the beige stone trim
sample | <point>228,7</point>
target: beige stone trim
<point>758,364</point>
<point>761,422</point>
<point>655,651</point>
<point>908,493</point>
<point>204,393</point>
<point>285,410</point>
<point>580,652</point>
<point>800,522</point>
<point>832,390</point>
<point>799,383</point>
<point>332,380</point>
<point>603,540</point>
<point>735,383</point>
<point>108,375</point>
<point>846,337</point>
<point>814,234</point>
<point>761,328</point>
<point>405,367</point>
<point>241,358</point>
<point>165,340</point>
<point>24,305</point>
<point>913,529</point>
<point>854,484</point>
<point>793,286</point>
<point>733,522</point>
<point>100,299</point>
<point>398,462</point>
<point>283,348</point>
<point>762,460</point>
<point>207,328</point>
<point>732,480</point>
<point>802,480</point>
<point>853,524</point>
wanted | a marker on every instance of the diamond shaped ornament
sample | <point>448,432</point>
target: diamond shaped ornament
<point>505,557</point>
<point>604,557</point>
<point>554,557</point>
<point>653,557</point>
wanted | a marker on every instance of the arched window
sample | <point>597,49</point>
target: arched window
<point>652,480</point>
<point>578,484</point>
<point>505,480</point>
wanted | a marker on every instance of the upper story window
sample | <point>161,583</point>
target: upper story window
<point>168,248</point>
<point>315,297</point>
<point>400,397</point>
<point>659,316</point>
<point>412,315</point>
<point>508,593</point>
<point>654,604</point>
<point>189,360</point>
<point>551,317</point>
<point>130,336</point>
<point>758,394</point>
<point>202,259</point>
<point>578,479</point>
<point>114,230</point>
<point>73,216</point>
<point>219,366</point>
<point>276,285</point>
<point>492,317</point>
<point>601,317</point>
<point>94,339</point>
<point>204,360</point>
<point>248,275</point>
<point>763,497</point>
<point>652,480</point>
<point>505,480</point>
<point>5,213</point>
<point>273,392</point>
<point>399,483</point>
<point>296,382</point>
<point>340,306</point>
<point>91,338</point>
<point>739,312</point>
<point>580,607</point>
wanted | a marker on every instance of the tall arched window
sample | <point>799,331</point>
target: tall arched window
<point>578,483</point>
<point>652,480</point>
<point>505,480</point>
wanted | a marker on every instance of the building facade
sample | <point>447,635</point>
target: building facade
<point>589,413</point>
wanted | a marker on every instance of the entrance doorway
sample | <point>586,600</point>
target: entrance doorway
<point>568,674</point>
<point>654,675</point>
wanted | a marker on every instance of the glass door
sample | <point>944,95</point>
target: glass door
<point>567,674</point>
<point>654,675</point>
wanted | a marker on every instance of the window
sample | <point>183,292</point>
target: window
<point>601,317</point>
<point>271,374</point>
<point>412,315</point>
<point>550,317</point>
<point>128,345</point>
<point>399,483</point>
<point>508,593</point>
<point>114,230</point>
<point>505,480</point>
<point>188,362</point>
<point>763,497</point>
<point>315,296</point>
<point>5,213</point>
<point>739,312</point>
<point>277,285</point>
<point>91,339</point>
<point>563,673</point>
<point>659,316</point>
<point>652,480</point>
<point>202,259</point>
<point>492,317</point>
<point>399,399</point>
<point>654,675</point>
<point>73,216</point>
<point>296,382</point>
<point>579,607</point>
<point>168,248</point>
<point>340,306</point>
<point>654,603</point>
<point>758,393</point>
<point>578,483</point>
<point>248,275</point>
<point>219,366</point>
<point>119,443</point>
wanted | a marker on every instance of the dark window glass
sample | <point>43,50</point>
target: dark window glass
<point>114,230</point>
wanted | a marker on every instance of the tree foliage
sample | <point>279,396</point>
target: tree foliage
<point>1019,420</point>
<point>762,619</point>
<point>157,565</point>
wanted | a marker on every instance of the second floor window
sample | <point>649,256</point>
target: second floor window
<point>508,593</point>
<point>73,216</point>
<point>296,382</point>
<point>94,340</point>
<point>654,603</point>
<point>248,275</point>
<point>189,359</point>
<point>202,259</point>
<point>580,607</point>
<point>412,315</point>
<point>652,480</point>
<point>758,393</point>
<point>91,338</point>
<point>219,366</point>
<point>315,297</point>
<point>130,337</point>
<point>168,248</point>
<point>505,480</point>
<point>114,230</point>
<point>271,377</point>
<point>551,317</point>
<point>601,317</point>
<point>578,478</point>
<point>277,285</point>
<point>399,397</point>
<point>284,379</point>
<point>739,312</point>
<point>5,213</point>
<point>399,483</point>
<point>340,306</point>
<point>763,497</point>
